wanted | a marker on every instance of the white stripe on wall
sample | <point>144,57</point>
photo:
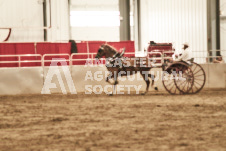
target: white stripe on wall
<point>176,21</point>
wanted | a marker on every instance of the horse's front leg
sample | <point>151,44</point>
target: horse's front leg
<point>111,77</point>
<point>115,77</point>
<point>116,81</point>
<point>108,78</point>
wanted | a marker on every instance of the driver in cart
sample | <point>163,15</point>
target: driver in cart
<point>185,55</point>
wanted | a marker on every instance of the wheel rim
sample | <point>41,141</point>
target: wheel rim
<point>184,80</point>
<point>199,78</point>
<point>168,80</point>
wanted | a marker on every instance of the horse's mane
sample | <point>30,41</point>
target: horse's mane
<point>111,48</point>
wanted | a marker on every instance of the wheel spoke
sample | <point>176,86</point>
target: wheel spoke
<point>198,83</point>
<point>175,91</point>
<point>199,75</point>
<point>195,68</point>
<point>171,88</point>
<point>192,89</point>
<point>184,86</point>
<point>200,79</point>
<point>187,87</point>
<point>182,83</point>
<point>196,86</point>
<point>197,71</point>
<point>169,84</point>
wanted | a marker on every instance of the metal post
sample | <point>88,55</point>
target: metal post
<point>124,7</point>
<point>213,27</point>
<point>137,25</point>
<point>218,44</point>
<point>45,19</point>
<point>69,17</point>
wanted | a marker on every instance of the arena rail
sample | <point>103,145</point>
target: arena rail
<point>59,58</point>
<point>72,59</point>
<point>19,60</point>
<point>90,57</point>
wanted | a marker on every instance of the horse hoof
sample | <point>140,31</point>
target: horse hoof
<point>116,82</point>
<point>144,93</point>
<point>110,94</point>
<point>156,89</point>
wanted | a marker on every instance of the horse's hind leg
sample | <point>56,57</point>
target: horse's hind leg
<point>147,83</point>
<point>152,76</point>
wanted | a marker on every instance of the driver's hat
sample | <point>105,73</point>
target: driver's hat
<point>186,44</point>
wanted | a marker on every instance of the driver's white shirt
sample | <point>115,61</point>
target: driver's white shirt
<point>186,54</point>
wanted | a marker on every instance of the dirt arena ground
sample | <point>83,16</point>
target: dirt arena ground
<point>157,121</point>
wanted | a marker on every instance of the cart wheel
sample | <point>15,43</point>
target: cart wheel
<point>184,80</point>
<point>168,80</point>
<point>199,78</point>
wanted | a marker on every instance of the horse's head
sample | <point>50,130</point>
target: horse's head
<point>105,51</point>
<point>100,52</point>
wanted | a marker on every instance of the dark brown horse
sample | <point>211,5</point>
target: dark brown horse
<point>122,66</point>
